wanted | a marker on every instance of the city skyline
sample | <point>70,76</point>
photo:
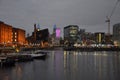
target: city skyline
<point>87,14</point>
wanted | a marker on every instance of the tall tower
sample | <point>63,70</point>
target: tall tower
<point>35,30</point>
<point>54,31</point>
<point>54,28</point>
<point>38,27</point>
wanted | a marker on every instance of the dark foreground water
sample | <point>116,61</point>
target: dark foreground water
<point>62,65</point>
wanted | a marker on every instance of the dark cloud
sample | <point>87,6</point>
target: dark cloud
<point>91,13</point>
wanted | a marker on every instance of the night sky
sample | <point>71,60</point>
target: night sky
<point>87,14</point>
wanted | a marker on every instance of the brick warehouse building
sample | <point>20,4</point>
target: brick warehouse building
<point>10,35</point>
<point>5,33</point>
<point>18,36</point>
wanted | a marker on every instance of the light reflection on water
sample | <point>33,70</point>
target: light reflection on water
<point>67,65</point>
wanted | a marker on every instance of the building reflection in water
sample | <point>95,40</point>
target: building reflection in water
<point>94,65</point>
<point>17,71</point>
<point>67,65</point>
<point>70,65</point>
<point>22,71</point>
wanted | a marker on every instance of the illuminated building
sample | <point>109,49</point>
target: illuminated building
<point>99,37</point>
<point>58,32</point>
<point>18,36</point>
<point>5,34</point>
<point>10,35</point>
<point>71,33</point>
<point>55,37</point>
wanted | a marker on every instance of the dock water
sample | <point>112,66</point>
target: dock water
<point>7,60</point>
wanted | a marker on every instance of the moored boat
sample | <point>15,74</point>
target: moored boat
<point>38,54</point>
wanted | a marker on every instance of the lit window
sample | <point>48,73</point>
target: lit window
<point>15,40</point>
<point>15,33</point>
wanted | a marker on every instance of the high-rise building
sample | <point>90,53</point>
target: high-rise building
<point>54,39</point>
<point>116,33</point>
<point>100,37</point>
<point>81,34</point>
<point>71,33</point>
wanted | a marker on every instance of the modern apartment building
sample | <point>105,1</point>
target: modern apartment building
<point>71,33</point>
<point>116,32</point>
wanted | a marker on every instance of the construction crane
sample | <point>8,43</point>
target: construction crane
<point>109,17</point>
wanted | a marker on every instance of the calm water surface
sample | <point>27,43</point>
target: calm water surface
<point>65,65</point>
